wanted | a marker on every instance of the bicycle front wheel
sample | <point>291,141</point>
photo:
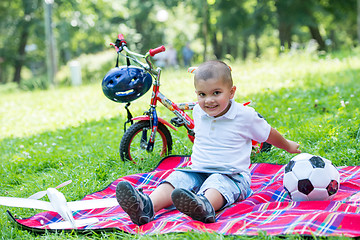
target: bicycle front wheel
<point>135,140</point>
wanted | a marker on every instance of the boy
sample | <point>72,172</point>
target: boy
<point>219,172</point>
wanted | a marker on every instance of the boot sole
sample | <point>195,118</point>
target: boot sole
<point>129,200</point>
<point>187,202</point>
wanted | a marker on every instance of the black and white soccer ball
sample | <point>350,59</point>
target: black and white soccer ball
<point>311,178</point>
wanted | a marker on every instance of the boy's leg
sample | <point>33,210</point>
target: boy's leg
<point>217,191</point>
<point>216,199</point>
<point>161,196</point>
<point>141,207</point>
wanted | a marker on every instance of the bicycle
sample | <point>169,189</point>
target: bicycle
<point>140,137</point>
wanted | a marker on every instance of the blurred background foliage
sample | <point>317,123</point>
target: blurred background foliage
<point>222,29</point>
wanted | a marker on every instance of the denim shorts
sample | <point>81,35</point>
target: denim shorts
<point>233,187</point>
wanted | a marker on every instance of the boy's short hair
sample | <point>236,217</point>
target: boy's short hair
<point>214,69</point>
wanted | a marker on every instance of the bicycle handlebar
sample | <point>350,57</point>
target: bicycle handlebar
<point>157,50</point>
<point>120,44</point>
<point>121,39</point>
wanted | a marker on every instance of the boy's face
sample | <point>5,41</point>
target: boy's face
<point>214,96</point>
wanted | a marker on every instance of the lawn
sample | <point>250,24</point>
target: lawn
<point>48,137</point>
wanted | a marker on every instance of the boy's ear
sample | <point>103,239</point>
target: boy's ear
<point>232,91</point>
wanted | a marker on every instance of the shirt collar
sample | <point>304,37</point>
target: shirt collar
<point>230,114</point>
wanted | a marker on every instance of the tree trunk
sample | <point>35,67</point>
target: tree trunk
<point>2,79</point>
<point>245,47</point>
<point>233,50</point>
<point>28,7</point>
<point>315,34</point>
<point>205,27</point>
<point>258,50</point>
<point>285,36</point>
<point>19,61</point>
<point>216,47</point>
<point>358,20</point>
<point>285,26</point>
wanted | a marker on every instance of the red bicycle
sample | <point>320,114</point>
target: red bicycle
<point>148,133</point>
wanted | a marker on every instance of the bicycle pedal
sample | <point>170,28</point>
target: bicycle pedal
<point>177,122</point>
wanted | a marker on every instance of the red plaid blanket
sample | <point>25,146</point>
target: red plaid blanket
<point>268,210</point>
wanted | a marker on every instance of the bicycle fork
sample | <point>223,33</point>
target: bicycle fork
<point>153,118</point>
<point>153,125</point>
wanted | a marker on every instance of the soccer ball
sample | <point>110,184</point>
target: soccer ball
<point>311,178</point>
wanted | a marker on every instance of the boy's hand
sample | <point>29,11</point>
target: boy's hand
<point>276,139</point>
<point>293,147</point>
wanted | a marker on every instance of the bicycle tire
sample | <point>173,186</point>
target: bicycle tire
<point>130,145</point>
<point>265,146</point>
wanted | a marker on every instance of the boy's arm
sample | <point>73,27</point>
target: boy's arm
<point>276,139</point>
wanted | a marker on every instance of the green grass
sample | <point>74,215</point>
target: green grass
<point>48,137</point>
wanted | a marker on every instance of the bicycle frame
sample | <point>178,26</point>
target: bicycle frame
<point>157,96</point>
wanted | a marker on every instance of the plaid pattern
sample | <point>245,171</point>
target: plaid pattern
<point>268,210</point>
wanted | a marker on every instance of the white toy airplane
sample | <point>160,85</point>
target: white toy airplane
<point>59,204</point>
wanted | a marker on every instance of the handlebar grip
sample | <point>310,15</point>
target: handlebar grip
<point>114,45</point>
<point>120,40</point>
<point>157,50</point>
<point>121,37</point>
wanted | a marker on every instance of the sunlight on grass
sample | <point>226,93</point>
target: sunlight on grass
<point>27,113</point>
<point>35,112</point>
<point>287,72</point>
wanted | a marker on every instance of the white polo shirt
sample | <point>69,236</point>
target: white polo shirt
<point>223,144</point>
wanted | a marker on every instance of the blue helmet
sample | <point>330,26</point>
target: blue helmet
<point>126,83</point>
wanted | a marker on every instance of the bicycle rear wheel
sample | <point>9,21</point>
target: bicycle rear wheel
<point>264,147</point>
<point>134,142</point>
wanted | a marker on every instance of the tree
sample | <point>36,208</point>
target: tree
<point>29,8</point>
<point>339,20</point>
<point>17,20</point>
<point>285,23</point>
<point>294,13</point>
<point>226,27</point>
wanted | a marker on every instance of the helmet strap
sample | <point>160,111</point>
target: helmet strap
<point>117,61</point>
<point>129,116</point>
